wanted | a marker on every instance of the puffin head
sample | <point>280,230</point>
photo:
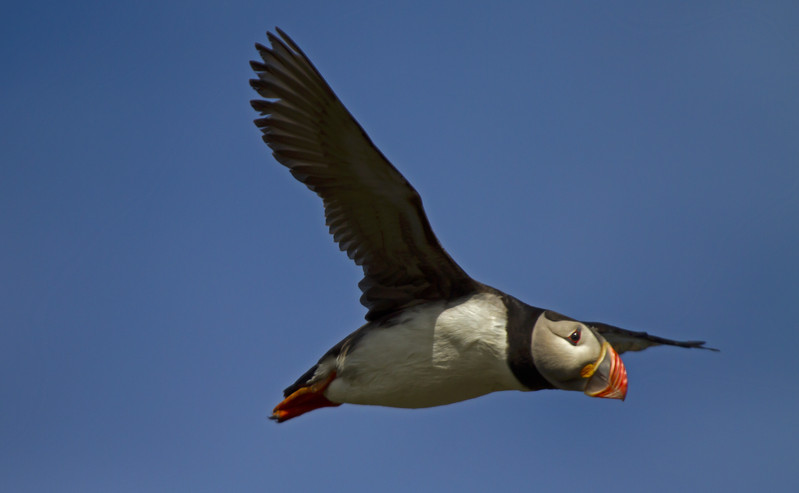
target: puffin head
<point>572,356</point>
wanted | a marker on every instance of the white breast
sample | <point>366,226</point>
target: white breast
<point>436,354</point>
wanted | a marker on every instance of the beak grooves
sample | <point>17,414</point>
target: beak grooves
<point>609,373</point>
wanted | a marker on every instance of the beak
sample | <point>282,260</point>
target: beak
<point>606,377</point>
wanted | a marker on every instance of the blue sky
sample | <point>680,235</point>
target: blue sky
<point>162,279</point>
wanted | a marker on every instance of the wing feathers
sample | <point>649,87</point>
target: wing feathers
<point>627,340</point>
<point>373,213</point>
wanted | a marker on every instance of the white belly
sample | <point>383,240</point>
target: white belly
<point>437,354</point>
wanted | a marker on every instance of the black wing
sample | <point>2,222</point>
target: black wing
<point>373,213</point>
<point>627,340</point>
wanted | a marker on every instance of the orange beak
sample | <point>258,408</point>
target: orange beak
<point>607,377</point>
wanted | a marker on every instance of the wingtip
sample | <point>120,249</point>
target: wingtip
<point>699,345</point>
<point>280,37</point>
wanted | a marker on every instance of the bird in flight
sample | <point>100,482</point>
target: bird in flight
<point>433,335</point>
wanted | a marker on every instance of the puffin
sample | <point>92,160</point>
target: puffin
<point>433,335</point>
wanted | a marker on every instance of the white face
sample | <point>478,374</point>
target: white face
<point>562,348</point>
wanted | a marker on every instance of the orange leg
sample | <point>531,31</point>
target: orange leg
<point>303,400</point>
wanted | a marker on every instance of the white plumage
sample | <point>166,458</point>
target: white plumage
<point>436,354</point>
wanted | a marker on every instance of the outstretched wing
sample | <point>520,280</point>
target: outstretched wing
<point>627,340</point>
<point>373,213</point>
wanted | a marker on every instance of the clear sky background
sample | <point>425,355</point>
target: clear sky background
<point>162,278</point>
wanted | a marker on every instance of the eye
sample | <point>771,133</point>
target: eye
<point>574,337</point>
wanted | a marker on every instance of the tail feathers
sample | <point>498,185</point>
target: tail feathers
<point>301,382</point>
<point>303,399</point>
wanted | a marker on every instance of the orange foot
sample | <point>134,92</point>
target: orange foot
<point>303,400</point>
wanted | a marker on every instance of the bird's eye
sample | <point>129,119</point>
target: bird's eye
<point>574,337</point>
